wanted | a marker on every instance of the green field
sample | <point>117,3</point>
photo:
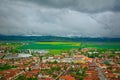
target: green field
<point>101,45</point>
<point>58,47</point>
<point>69,45</point>
<point>52,45</point>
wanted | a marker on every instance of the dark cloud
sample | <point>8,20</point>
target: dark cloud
<point>85,18</point>
<point>117,6</point>
<point>91,6</point>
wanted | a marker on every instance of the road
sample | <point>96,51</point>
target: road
<point>64,72</point>
<point>101,75</point>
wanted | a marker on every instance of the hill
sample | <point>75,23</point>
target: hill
<point>56,38</point>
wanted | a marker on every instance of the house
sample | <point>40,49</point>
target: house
<point>1,54</point>
<point>32,74</point>
<point>110,75</point>
<point>92,66</point>
<point>10,74</point>
<point>66,78</point>
<point>117,52</point>
<point>92,75</point>
<point>46,79</point>
<point>88,59</point>
<point>65,54</point>
<point>39,51</point>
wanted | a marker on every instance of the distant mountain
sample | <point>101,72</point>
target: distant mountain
<point>55,38</point>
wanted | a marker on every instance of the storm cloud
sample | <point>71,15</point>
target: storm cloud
<point>83,18</point>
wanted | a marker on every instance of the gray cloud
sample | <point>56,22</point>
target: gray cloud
<point>93,18</point>
<point>90,6</point>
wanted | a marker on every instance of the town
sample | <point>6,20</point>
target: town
<point>59,39</point>
<point>76,64</point>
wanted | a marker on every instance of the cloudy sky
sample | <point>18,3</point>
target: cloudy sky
<point>83,18</point>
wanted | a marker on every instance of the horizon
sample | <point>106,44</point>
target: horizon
<point>54,36</point>
<point>59,39</point>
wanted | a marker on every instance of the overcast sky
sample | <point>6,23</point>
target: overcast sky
<point>83,18</point>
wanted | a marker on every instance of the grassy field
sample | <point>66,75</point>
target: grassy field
<point>52,45</point>
<point>58,47</point>
<point>100,45</point>
<point>69,45</point>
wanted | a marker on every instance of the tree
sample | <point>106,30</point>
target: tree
<point>21,78</point>
<point>107,63</point>
<point>2,56</point>
<point>55,62</point>
<point>40,58</point>
<point>32,79</point>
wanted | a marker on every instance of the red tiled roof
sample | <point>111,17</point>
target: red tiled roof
<point>91,78</point>
<point>46,79</point>
<point>32,73</point>
<point>67,77</point>
<point>110,75</point>
<point>9,73</point>
<point>1,54</point>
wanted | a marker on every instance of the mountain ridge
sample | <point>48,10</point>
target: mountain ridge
<point>57,38</point>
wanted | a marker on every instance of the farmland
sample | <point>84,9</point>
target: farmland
<point>69,45</point>
<point>52,45</point>
<point>58,47</point>
<point>101,45</point>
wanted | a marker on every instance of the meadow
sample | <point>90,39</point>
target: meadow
<point>58,47</point>
<point>70,45</point>
<point>53,47</point>
<point>101,45</point>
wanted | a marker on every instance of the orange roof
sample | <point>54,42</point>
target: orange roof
<point>9,73</point>
<point>67,77</point>
<point>32,73</point>
<point>46,79</point>
<point>110,75</point>
<point>49,79</point>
